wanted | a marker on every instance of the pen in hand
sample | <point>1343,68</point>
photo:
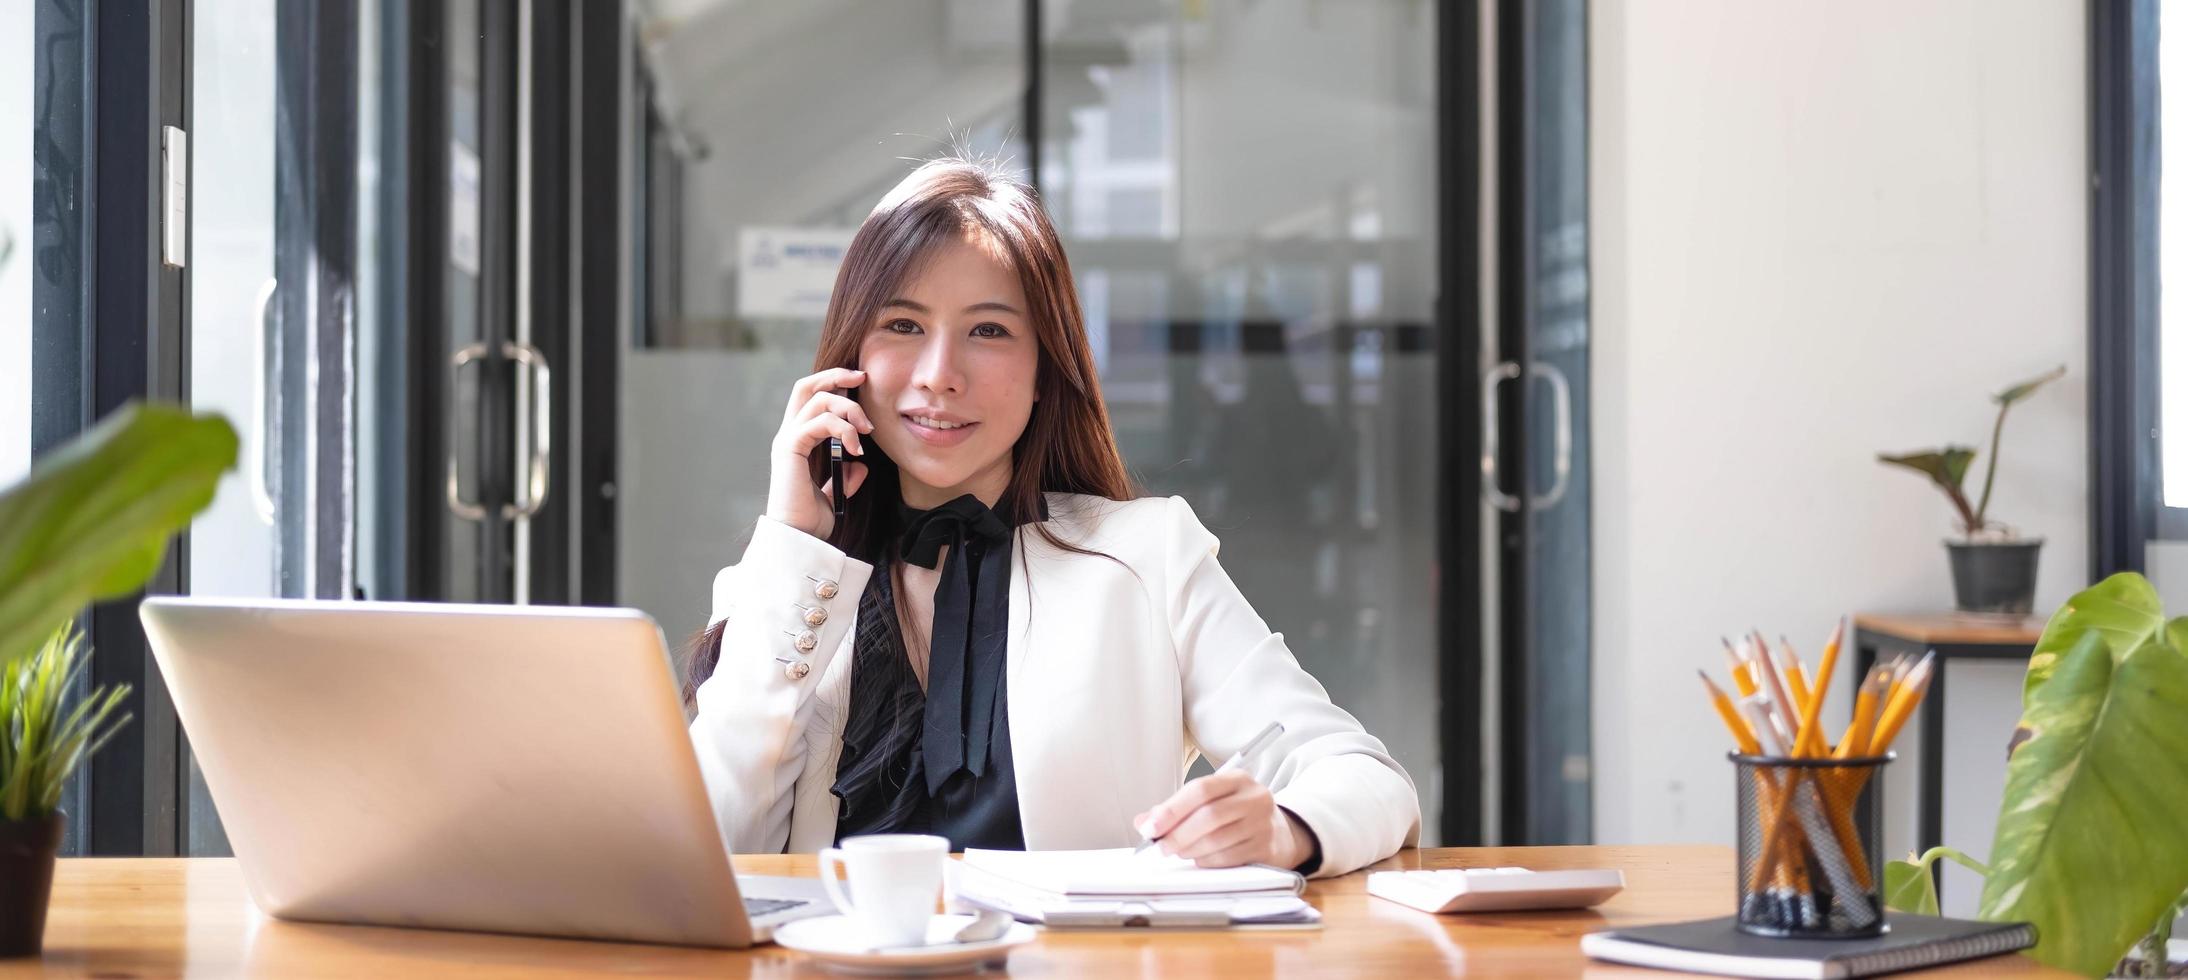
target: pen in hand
<point>1238,760</point>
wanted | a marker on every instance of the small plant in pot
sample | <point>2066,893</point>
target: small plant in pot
<point>45,741</point>
<point>90,522</point>
<point>1993,567</point>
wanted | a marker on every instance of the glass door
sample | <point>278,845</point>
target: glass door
<point>479,394</point>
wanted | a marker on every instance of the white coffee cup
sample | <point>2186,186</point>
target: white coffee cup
<point>892,880</point>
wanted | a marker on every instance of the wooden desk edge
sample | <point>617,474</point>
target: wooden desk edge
<point>163,916</point>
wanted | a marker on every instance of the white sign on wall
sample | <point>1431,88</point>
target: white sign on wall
<point>788,272</point>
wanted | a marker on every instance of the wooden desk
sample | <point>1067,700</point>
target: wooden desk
<point>128,917</point>
<point>1952,636</point>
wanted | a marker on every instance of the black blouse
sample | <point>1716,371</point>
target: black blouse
<point>935,761</point>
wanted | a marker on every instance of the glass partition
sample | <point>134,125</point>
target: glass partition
<point>1247,192</point>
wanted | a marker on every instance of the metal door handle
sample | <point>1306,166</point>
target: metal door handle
<point>261,496</point>
<point>1561,436</point>
<point>1561,459</point>
<point>537,467</point>
<point>1490,488</point>
<point>465,509</point>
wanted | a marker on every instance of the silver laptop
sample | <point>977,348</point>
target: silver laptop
<point>492,768</point>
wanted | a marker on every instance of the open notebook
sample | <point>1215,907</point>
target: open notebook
<point>1114,888</point>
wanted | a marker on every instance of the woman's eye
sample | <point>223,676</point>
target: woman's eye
<point>901,326</point>
<point>990,330</point>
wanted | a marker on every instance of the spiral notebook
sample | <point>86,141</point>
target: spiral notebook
<point>1718,946</point>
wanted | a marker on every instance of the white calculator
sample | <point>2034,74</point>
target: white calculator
<point>1495,889</point>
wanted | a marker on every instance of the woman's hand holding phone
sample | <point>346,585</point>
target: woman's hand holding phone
<point>815,413</point>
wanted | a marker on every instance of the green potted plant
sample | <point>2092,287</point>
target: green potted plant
<point>2088,843</point>
<point>44,743</point>
<point>1993,567</point>
<point>90,522</point>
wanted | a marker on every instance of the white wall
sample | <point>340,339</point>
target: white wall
<point>16,62</point>
<point>1823,229</point>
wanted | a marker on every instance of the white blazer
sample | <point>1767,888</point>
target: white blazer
<point>1119,675</point>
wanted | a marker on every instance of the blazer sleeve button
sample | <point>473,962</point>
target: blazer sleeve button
<point>807,641</point>
<point>816,616</point>
<point>825,590</point>
<point>797,671</point>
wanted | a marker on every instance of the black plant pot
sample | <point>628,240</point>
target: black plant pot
<point>1990,577</point>
<point>27,848</point>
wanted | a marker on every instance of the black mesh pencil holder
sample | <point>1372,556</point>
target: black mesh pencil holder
<point>1811,848</point>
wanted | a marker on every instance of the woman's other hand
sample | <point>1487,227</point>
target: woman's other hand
<point>815,413</point>
<point>1225,820</point>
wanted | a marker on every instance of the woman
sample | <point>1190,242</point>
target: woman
<point>998,643</point>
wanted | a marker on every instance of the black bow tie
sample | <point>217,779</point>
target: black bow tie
<point>927,532</point>
<point>971,619</point>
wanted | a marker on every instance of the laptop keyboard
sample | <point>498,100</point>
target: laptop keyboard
<point>756,907</point>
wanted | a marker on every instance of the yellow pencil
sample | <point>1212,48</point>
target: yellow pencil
<point>1743,679</point>
<point>1895,677</point>
<point>1893,672</point>
<point>1796,678</point>
<point>1887,685</point>
<point>1810,742</point>
<point>1740,735</point>
<point>1903,704</point>
<point>1856,740</point>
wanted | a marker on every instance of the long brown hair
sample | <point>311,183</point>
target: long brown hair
<point>1067,446</point>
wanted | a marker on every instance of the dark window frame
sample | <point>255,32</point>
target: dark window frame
<point>1459,604</point>
<point>596,332</point>
<point>2127,509</point>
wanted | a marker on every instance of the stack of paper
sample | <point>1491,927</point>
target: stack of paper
<point>1115,888</point>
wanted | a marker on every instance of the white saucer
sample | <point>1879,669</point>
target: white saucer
<point>831,940</point>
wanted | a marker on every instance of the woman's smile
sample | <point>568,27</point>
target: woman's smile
<point>938,429</point>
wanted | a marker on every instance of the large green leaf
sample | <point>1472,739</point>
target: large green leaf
<point>2123,610</point>
<point>92,519</point>
<point>2088,845</point>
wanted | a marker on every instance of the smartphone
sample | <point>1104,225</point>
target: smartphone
<point>835,474</point>
<point>835,467</point>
